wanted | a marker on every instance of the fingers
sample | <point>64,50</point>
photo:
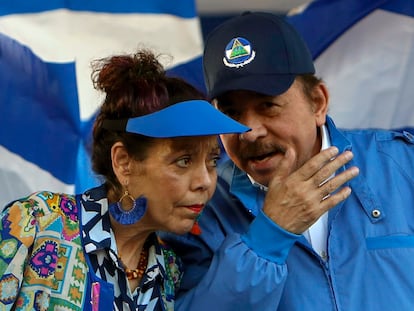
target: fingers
<point>332,200</point>
<point>285,166</point>
<point>330,167</point>
<point>296,200</point>
<point>327,181</point>
<point>327,188</point>
<point>318,164</point>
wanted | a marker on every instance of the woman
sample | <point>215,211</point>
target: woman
<point>155,145</point>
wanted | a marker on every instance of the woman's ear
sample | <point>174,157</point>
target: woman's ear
<point>320,98</point>
<point>120,161</point>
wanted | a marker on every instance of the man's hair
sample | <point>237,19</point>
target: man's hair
<point>308,82</point>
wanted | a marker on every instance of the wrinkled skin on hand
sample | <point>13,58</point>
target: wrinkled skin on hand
<point>295,200</point>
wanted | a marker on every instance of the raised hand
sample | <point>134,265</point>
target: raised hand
<point>295,200</point>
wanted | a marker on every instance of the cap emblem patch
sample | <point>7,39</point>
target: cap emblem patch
<point>238,53</point>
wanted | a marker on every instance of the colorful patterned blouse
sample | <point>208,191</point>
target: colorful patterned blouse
<point>46,264</point>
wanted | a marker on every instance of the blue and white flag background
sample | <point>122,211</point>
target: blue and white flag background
<point>364,50</point>
<point>47,100</point>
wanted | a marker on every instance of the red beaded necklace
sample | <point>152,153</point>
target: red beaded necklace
<point>137,273</point>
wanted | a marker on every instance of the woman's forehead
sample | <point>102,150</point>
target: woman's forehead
<point>194,142</point>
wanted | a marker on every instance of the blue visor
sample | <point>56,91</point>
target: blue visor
<point>189,118</point>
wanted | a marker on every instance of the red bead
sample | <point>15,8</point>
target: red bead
<point>196,230</point>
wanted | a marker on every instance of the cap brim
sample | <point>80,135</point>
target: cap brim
<point>271,85</point>
<point>189,118</point>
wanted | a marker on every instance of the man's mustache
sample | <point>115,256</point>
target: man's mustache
<point>258,149</point>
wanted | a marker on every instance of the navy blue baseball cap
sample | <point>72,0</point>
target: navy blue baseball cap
<point>188,118</point>
<point>254,51</point>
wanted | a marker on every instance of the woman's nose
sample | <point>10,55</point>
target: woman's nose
<point>204,178</point>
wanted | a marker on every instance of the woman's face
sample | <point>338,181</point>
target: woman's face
<point>177,178</point>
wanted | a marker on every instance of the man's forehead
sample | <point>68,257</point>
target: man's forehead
<point>232,97</point>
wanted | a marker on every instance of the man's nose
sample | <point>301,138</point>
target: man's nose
<point>257,128</point>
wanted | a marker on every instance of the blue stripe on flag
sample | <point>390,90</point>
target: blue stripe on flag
<point>192,72</point>
<point>44,126</point>
<point>379,91</point>
<point>400,6</point>
<point>39,109</point>
<point>324,21</point>
<point>181,8</point>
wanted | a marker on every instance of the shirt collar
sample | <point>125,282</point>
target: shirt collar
<point>326,141</point>
<point>96,226</point>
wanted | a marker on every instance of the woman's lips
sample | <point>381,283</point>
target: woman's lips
<point>197,208</point>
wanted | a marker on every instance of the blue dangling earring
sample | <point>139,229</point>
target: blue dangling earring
<point>139,206</point>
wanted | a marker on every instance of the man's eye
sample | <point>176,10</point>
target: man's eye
<point>271,105</point>
<point>232,113</point>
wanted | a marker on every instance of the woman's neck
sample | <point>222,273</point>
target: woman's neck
<point>130,243</point>
<point>130,239</point>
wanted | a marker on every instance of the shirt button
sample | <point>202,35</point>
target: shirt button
<point>376,213</point>
<point>408,135</point>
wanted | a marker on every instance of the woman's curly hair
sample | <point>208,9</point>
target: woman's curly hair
<point>133,85</point>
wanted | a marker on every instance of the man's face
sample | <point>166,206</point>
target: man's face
<point>289,120</point>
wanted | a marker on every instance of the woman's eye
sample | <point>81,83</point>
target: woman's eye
<point>214,161</point>
<point>184,162</point>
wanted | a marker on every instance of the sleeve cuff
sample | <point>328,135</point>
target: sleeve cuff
<point>268,240</point>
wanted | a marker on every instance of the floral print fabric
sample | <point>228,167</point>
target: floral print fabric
<point>45,260</point>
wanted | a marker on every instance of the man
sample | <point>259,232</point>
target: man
<point>305,216</point>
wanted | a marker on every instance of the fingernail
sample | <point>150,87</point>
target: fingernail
<point>354,171</point>
<point>334,150</point>
<point>348,155</point>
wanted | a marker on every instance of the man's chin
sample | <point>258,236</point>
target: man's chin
<point>262,180</point>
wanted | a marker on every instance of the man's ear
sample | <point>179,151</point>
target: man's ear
<point>120,161</point>
<point>320,99</point>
